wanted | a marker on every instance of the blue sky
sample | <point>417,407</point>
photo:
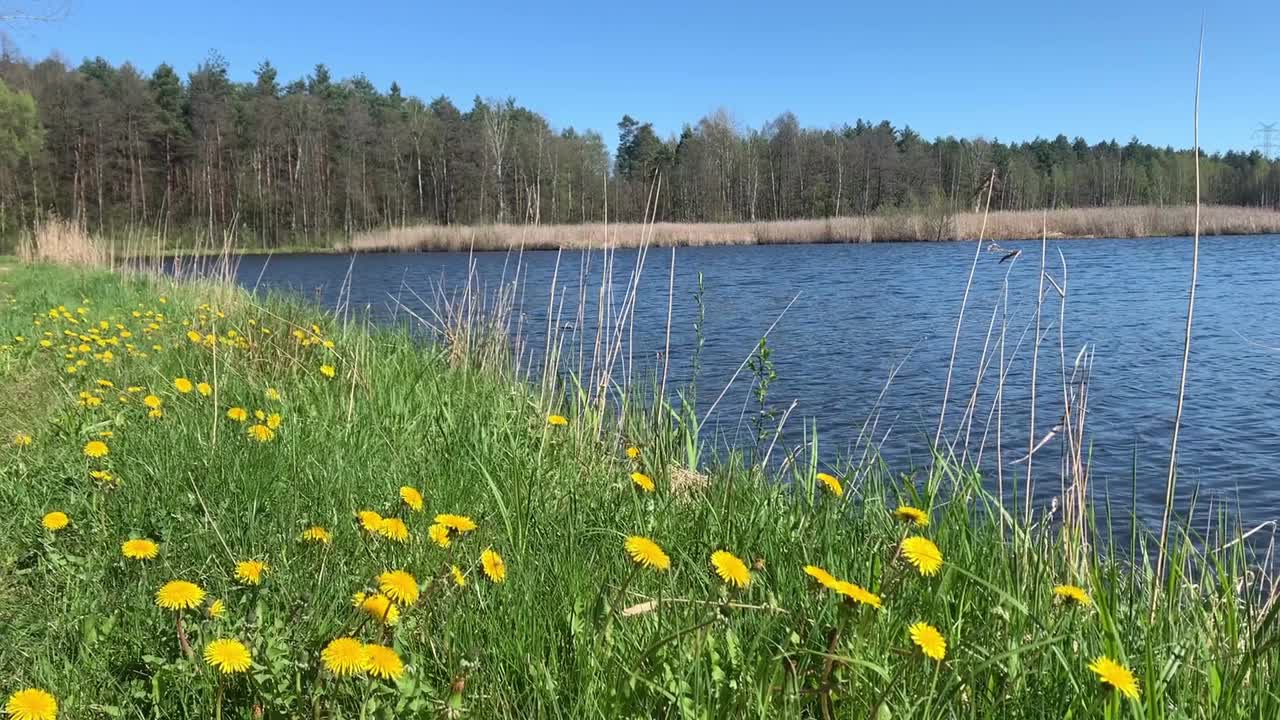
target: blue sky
<point>1006,69</point>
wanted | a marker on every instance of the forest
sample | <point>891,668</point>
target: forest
<point>117,149</point>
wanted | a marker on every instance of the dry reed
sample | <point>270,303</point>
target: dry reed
<point>64,242</point>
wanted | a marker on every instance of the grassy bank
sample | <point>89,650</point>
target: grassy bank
<point>1118,222</point>
<point>592,584</point>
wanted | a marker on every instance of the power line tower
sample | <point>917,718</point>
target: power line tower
<point>1270,143</point>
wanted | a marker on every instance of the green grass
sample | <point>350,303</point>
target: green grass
<point>552,640</point>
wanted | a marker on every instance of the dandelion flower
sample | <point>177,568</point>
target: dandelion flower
<point>458,578</point>
<point>394,529</point>
<point>328,371</point>
<point>923,554</point>
<point>204,389</point>
<point>55,521</point>
<point>557,420</point>
<point>272,394</point>
<point>227,656</point>
<point>633,452</point>
<point>95,449</point>
<point>316,534</point>
<point>153,402</point>
<point>194,336</point>
<point>22,440</point>
<point>411,497</point>
<point>31,704</point>
<point>379,607</point>
<point>456,523</point>
<point>929,640</point>
<point>856,593</point>
<point>439,535</point>
<point>155,413</point>
<point>1073,594</point>
<point>831,484</point>
<point>369,520</point>
<point>261,433</point>
<point>238,414</point>
<point>646,552</point>
<point>642,481</point>
<point>251,572</point>
<point>260,415</point>
<point>273,421</point>
<point>140,549</point>
<point>824,578</point>
<point>345,656</point>
<point>914,516</point>
<point>182,385</point>
<point>730,569</point>
<point>494,567</point>
<point>1116,675</point>
<point>179,595</point>
<point>399,586</point>
<point>102,477</point>
<point>383,662</point>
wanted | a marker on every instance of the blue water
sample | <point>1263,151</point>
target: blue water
<point>860,310</point>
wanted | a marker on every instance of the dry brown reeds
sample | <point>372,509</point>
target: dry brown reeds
<point>64,242</point>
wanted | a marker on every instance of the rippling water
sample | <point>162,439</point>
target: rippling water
<point>859,310</point>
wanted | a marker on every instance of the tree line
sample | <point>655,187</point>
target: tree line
<point>117,149</point>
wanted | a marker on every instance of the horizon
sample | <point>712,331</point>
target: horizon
<point>1144,89</point>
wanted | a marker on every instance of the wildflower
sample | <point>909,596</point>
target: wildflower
<point>456,523</point>
<point>1073,594</point>
<point>22,440</point>
<point>557,420</point>
<point>179,595</point>
<point>394,529</point>
<point>644,551</point>
<point>55,521</point>
<point>399,586</point>
<point>194,336</point>
<point>458,578</point>
<point>204,389</point>
<point>730,569</point>
<point>139,549</point>
<point>824,578</point>
<point>217,609</point>
<point>103,477</point>
<point>272,394</point>
<point>439,535</point>
<point>31,704</point>
<point>345,656</point>
<point>155,413</point>
<point>183,385</point>
<point>227,656</point>
<point>95,449</point>
<point>831,484</point>
<point>494,568</point>
<point>633,452</point>
<point>251,572</point>
<point>856,593</point>
<point>369,520</point>
<point>260,416</point>
<point>152,402</point>
<point>929,640</point>
<point>261,433</point>
<point>106,383</point>
<point>912,515</point>
<point>384,662</point>
<point>316,534</point>
<point>379,607</point>
<point>273,421</point>
<point>328,371</point>
<point>923,554</point>
<point>411,497</point>
<point>238,414</point>
<point>1116,675</point>
<point>642,481</point>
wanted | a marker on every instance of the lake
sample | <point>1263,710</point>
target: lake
<point>857,311</point>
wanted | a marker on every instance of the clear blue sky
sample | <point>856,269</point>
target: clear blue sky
<point>1002,68</point>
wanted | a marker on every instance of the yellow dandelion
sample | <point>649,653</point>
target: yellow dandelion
<point>182,385</point>
<point>316,534</point>
<point>831,484</point>
<point>458,578</point>
<point>644,551</point>
<point>411,497</point>
<point>273,421</point>
<point>456,523</point>
<point>369,520</point>
<point>328,371</point>
<point>227,656</point>
<point>31,704</point>
<point>251,572</point>
<point>217,609</point>
<point>399,586</point>
<point>633,452</point>
<point>856,593</point>
<point>260,416</point>
<point>394,529</point>
<point>929,640</point>
<point>102,477</point>
<point>194,336</point>
<point>1073,594</point>
<point>238,414</point>
<point>730,568</point>
<point>912,515</point>
<point>345,656</point>
<point>179,595</point>
<point>96,449</point>
<point>22,440</point>
<point>261,433</point>
<point>155,413</point>
<point>557,420</point>
<point>824,578</point>
<point>106,384</point>
<point>439,535</point>
<point>642,481</point>
<point>204,389</point>
<point>139,549</point>
<point>923,554</point>
<point>272,394</point>
<point>379,607</point>
<point>55,521</point>
<point>383,662</point>
<point>494,567</point>
<point>1116,675</point>
<point>153,402</point>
